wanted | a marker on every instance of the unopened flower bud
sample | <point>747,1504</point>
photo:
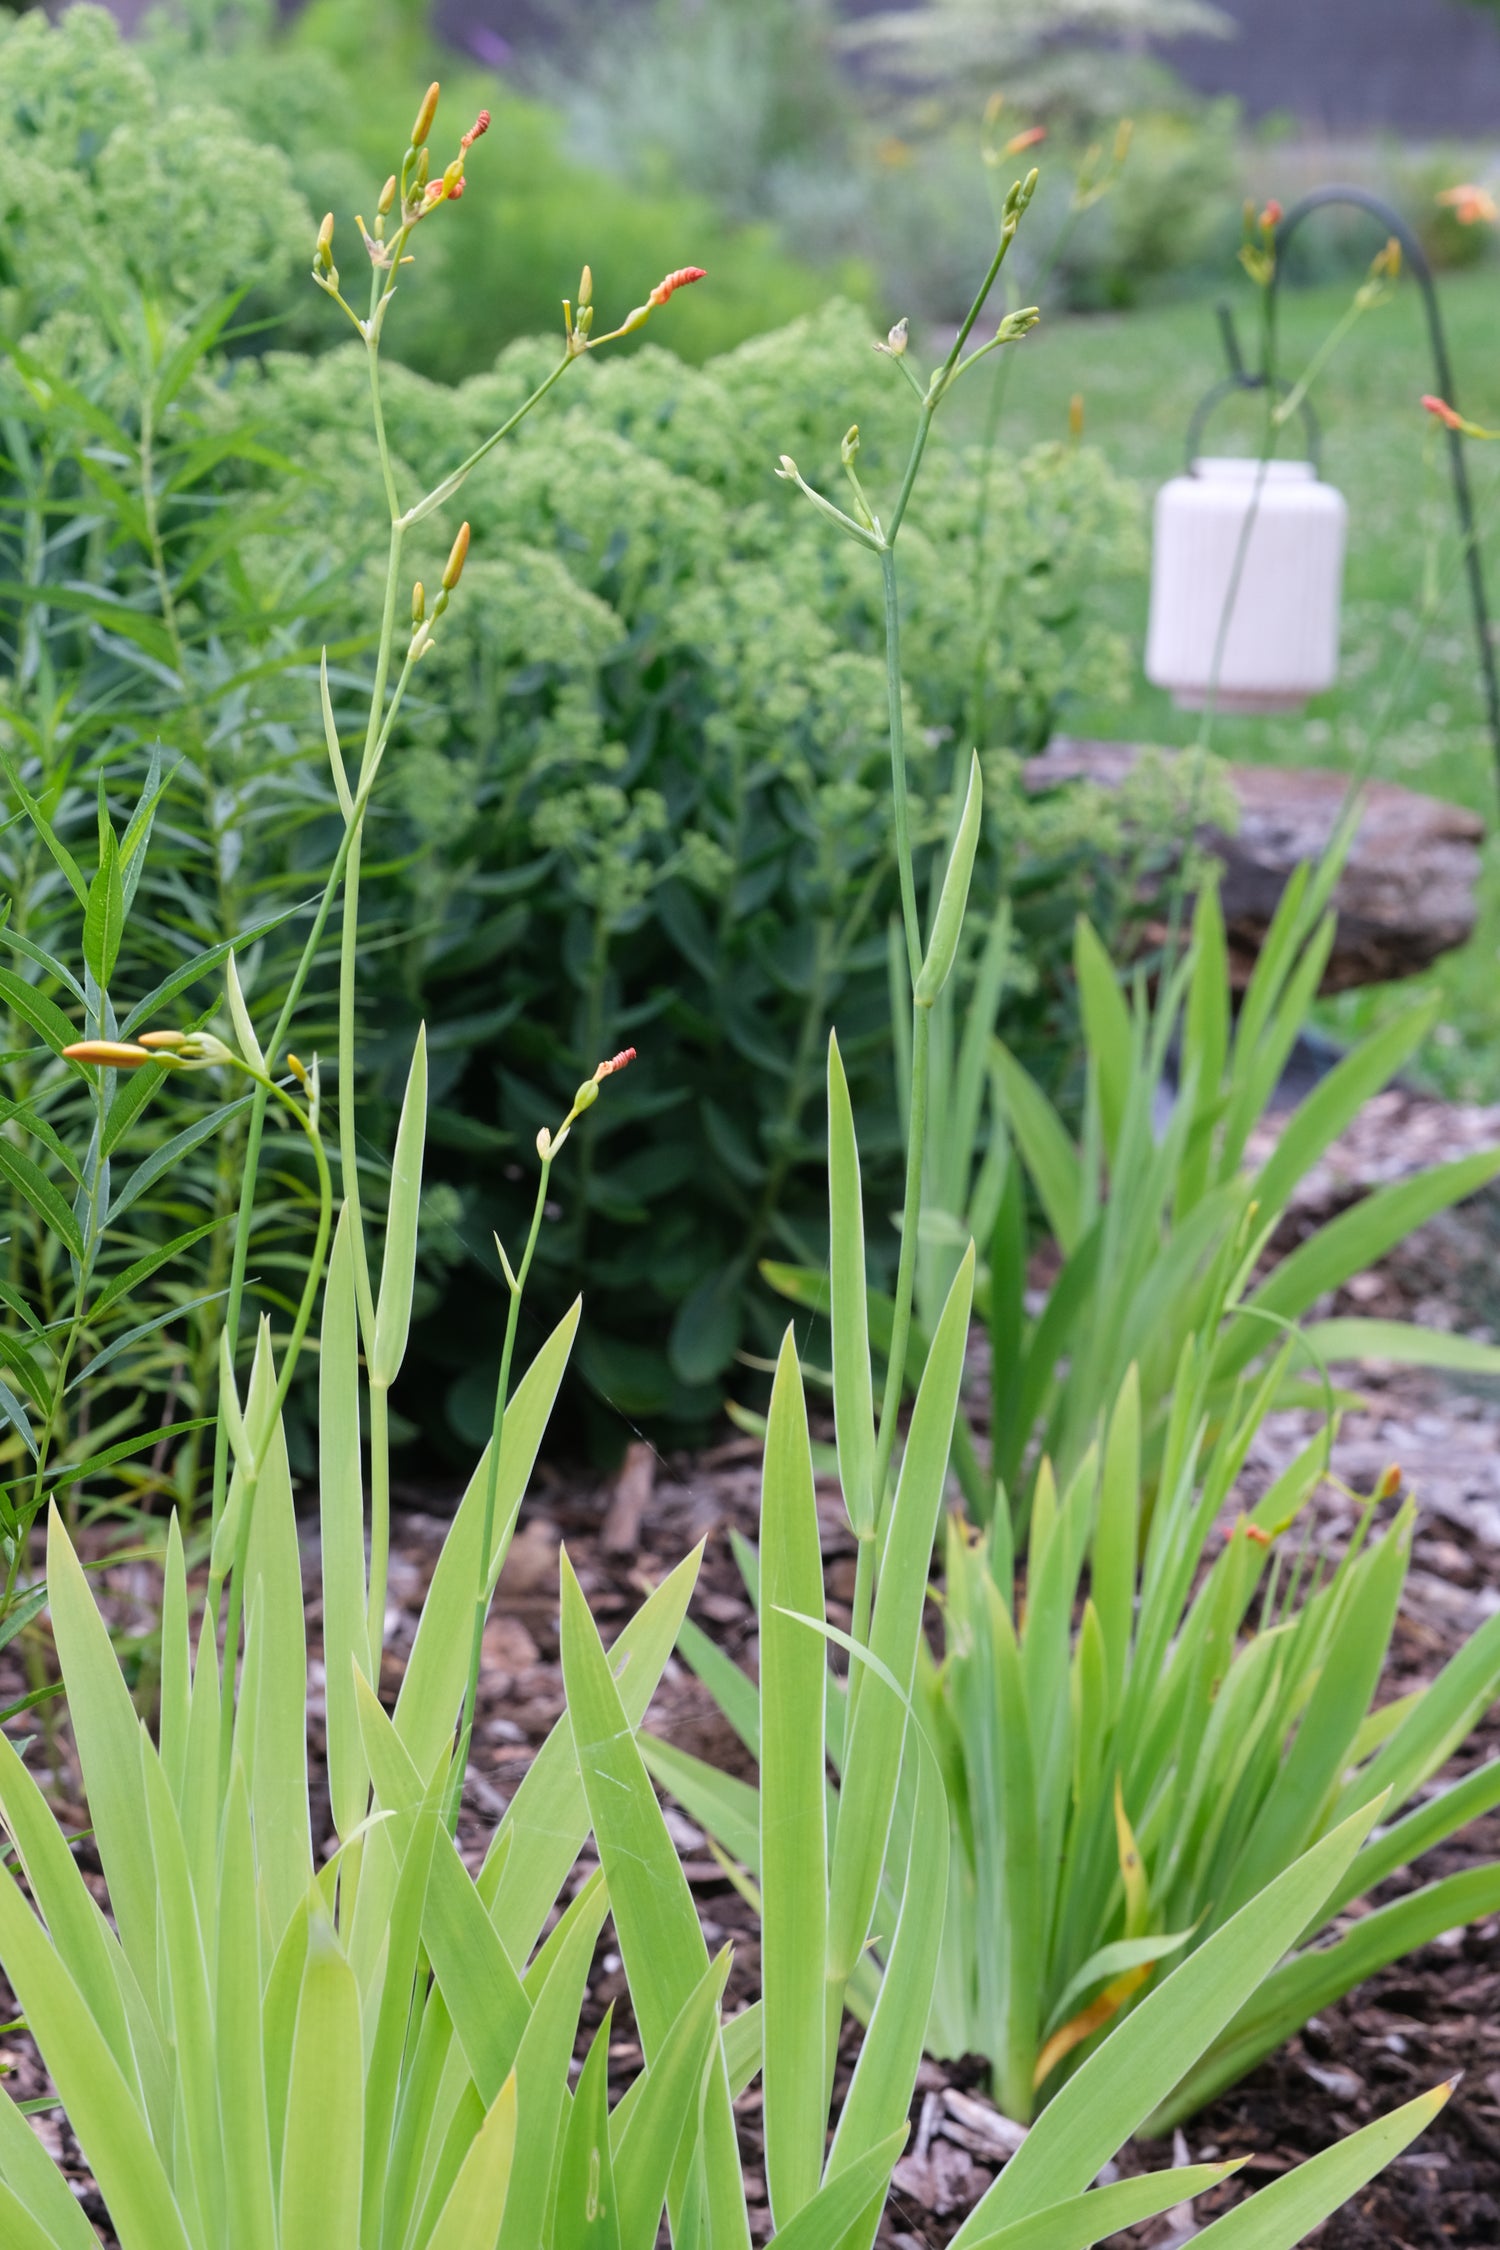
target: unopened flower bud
<point>458,553</point>
<point>585,288</point>
<point>1075,416</point>
<point>543,1143</point>
<point>849,450</point>
<point>170,1040</point>
<point>453,175</point>
<point>1033,136</point>
<point>993,106</point>
<point>109,1054</point>
<point>387,196</point>
<point>1390,1483</point>
<point>1270,218</point>
<point>425,115</point>
<point>788,467</point>
<point>1442,412</point>
<point>896,339</point>
<point>323,253</point>
<point>418,603</point>
<point>298,1069</point>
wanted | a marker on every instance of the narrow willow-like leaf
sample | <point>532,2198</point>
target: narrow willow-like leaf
<point>398,1272</point>
<point>942,946</point>
<point>323,2153</point>
<point>1086,2219</point>
<point>249,2183</point>
<point>853,1396</point>
<point>104,913</point>
<point>478,2198</point>
<point>432,1690</point>
<point>108,1735</point>
<point>331,738</point>
<point>1284,2213</point>
<point>346,1643</point>
<point>793,1816</point>
<point>873,1753</point>
<point>1106,1023</point>
<point>36,1190</point>
<point>660,1938</point>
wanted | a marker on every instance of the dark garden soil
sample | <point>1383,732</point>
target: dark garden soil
<point>1429,2018</point>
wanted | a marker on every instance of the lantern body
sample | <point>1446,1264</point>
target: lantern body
<point>1282,641</point>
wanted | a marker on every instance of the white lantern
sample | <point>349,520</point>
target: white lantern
<point>1281,643</point>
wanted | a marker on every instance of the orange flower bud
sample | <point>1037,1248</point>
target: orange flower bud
<point>1033,136</point>
<point>1442,412</point>
<point>109,1054</point>
<point>454,568</point>
<point>425,115</point>
<point>1270,218</point>
<point>1390,1483</point>
<point>168,1039</point>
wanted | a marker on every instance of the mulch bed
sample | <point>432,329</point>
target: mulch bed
<point>1429,2018</point>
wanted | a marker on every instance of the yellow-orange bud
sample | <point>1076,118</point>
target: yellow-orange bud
<point>168,1039</point>
<point>585,288</point>
<point>425,115</point>
<point>1390,1482</point>
<point>387,196</point>
<point>109,1054</point>
<point>418,603</point>
<point>458,555</point>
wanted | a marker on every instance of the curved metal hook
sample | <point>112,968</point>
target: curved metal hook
<point>1240,381</point>
<point>1416,259</point>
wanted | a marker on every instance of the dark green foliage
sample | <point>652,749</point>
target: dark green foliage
<point>639,790</point>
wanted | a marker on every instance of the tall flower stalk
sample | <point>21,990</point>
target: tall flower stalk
<point>926,971</point>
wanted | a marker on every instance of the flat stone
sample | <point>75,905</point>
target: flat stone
<point>1406,894</point>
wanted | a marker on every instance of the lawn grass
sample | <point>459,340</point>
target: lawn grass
<point>1416,710</point>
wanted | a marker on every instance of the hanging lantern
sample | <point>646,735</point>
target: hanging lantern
<point>1246,574</point>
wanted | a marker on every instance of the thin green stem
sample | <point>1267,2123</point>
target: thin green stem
<point>899,808</point>
<point>482,1584</point>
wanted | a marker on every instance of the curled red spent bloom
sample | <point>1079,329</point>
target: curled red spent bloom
<point>1442,411</point>
<point>477,130</point>
<point>1271,216</point>
<point>1031,138</point>
<point>1256,1535</point>
<point>677,280</point>
<point>615,1062</point>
